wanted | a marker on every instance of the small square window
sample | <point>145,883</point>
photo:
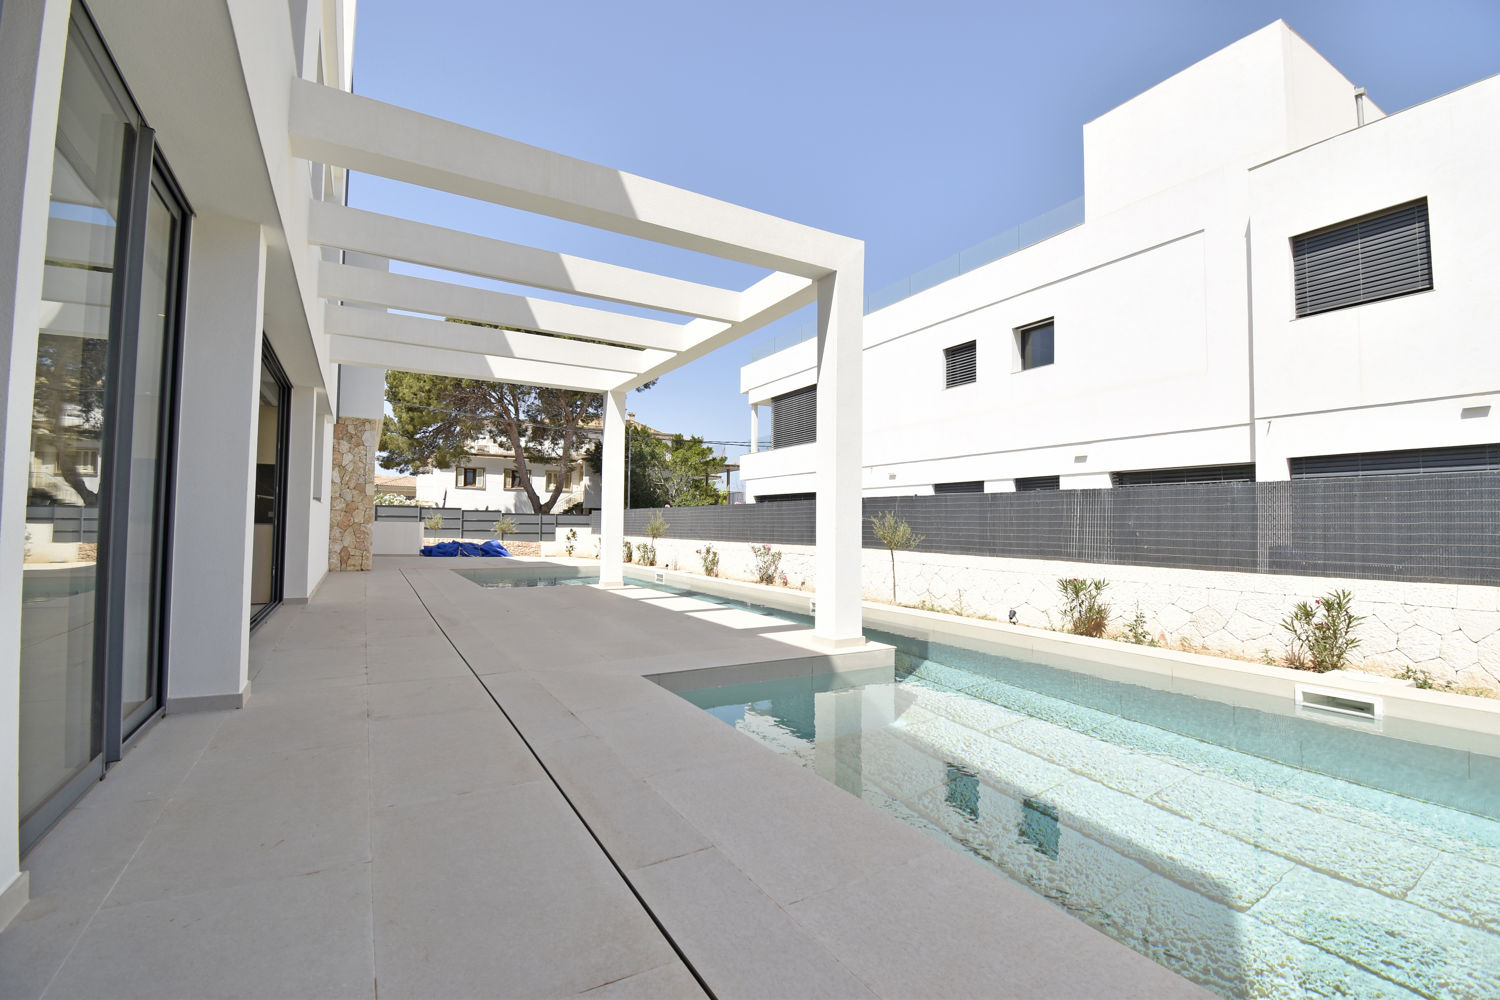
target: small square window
<point>959,364</point>
<point>468,477</point>
<point>1034,345</point>
<point>512,481</point>
<point>552,481</point>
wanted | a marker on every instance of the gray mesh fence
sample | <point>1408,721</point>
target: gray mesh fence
<point>1440,528</point>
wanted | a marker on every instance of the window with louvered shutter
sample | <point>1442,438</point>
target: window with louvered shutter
<point>959,362</point>
<point>1407,462</point>
<point>974,486</point>
<point>1196,474</point>
<point>1031,484</point>
<point>1377,257</point>
<point>794,418</point>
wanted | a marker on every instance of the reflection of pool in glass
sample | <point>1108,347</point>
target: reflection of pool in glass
<point>1253,876</point>
<point>39,585</point>
<point>496,578</point>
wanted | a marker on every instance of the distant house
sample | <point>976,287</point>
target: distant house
<point>487,479</point>
<point>401,486</point>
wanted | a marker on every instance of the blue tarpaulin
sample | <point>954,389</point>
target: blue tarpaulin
<point>489,548</point>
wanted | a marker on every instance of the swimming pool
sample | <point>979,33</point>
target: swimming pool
<point>495,578</point>
<point>1258,852</point>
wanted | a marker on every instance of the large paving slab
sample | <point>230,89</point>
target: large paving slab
<point>441,790</point>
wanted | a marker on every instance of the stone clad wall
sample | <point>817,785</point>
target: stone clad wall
<point>351,513</point>
<point>1449,630</point>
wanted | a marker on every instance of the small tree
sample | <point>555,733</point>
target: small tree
<point>434,522</point>
<point>1322,632</point>
<point>894,533</point>
<point>504,526</point>
<point>1084,610</point>
<point>570,541</point>
<point>767,562</point>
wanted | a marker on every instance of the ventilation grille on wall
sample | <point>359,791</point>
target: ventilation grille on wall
<point>959,362</point>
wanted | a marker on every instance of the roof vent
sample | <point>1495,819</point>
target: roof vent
<point>1359,105</point>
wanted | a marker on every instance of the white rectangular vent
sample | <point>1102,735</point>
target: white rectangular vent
<point>1345,703</point>
<point>661,577</point>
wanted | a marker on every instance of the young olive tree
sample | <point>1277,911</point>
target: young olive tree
<point>894,533</point>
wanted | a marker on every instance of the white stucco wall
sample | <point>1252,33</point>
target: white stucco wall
<point>1400,372</point>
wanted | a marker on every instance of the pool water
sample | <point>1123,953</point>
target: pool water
<point>492,579</point>
<point>1261,854</point>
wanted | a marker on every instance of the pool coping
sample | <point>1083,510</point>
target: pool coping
<point>1473,723</point>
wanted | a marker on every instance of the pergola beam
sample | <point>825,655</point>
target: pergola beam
<point>460,364</point>
<point>768,300</point>
<point>369,286</point>
<point>334,225</point>
<point>328,125</point>
<point>418,331</point>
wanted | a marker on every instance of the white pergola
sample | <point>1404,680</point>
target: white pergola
<point>809,265</point>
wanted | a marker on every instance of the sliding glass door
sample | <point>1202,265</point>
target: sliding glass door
<point>98,496</point>
<point>268,525</point>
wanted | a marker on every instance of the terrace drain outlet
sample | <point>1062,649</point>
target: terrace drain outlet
<point>661,577</point>
<point>1345,703</point>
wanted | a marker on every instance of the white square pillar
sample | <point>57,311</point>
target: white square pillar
<point>212,544</point>
<point>754,428</point>
<point>612,496</point>
<point>840,416</point>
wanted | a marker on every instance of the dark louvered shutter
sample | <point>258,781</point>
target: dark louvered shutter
<point>794,418</point>
<point>1032,484</point>
<point>1197,474</point>
<point>1373,258</point>
<point>959,362</point>
<point>1413,461</point>
<point>973,486</point>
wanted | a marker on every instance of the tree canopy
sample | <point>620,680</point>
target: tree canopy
<point>681,471</point>
<point>438,418</point>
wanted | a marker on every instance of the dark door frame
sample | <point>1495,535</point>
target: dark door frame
<point>278,507</point>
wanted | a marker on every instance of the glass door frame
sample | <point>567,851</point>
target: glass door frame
<point>272,365</point>
<point>142,169</point>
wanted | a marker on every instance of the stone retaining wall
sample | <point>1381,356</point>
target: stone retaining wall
<point>1451,631</point>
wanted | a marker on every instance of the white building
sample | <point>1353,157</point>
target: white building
<point>189,311</point>
<point>487,479</point>
<point>1209,317</point>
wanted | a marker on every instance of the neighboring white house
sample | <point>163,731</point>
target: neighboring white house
<point>487,479</point>
<point>1272,279</point>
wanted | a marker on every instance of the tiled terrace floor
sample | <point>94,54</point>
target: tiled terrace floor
<point>444,791</point>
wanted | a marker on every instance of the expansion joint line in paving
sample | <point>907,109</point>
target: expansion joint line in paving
<point>692,969</point>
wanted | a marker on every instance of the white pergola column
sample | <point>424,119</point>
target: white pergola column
<point>33,44</point>
<point>754,428</point>
<point>612,495</point>
<point>213,543</point>
<point>837,620</point>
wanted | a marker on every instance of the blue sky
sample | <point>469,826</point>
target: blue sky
<point>920,128</point>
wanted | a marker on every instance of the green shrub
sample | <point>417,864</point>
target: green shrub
<point>504,526</point>
<point>656,527</point>
<point>1136,630</point>
<point>1322,633</point>
<point>627,550</point>
<point>767,562</point>
<point>710,560</point>
<point>645,554</point>
<point>433,523</point>
<point>570,540</point>
<point>1084,610</point>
